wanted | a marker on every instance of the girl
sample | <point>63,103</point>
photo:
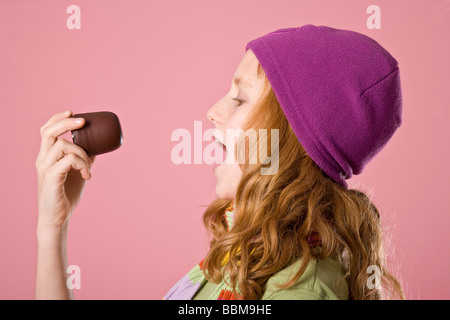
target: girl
<point>334,98</point>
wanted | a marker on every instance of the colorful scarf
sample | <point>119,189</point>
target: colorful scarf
<point>187,287</point>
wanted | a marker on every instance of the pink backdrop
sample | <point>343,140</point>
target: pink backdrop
<point>160,65</point>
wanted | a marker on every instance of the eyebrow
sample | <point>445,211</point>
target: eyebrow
<point>240,82</point>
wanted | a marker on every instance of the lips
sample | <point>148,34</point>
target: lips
<point>222,145</point>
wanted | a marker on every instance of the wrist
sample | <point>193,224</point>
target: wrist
<point>51,232</point>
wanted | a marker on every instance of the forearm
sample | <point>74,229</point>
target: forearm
<point>51,276</point>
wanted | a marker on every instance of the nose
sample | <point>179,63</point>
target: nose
<point>212,113</point>
<point>219,113</point>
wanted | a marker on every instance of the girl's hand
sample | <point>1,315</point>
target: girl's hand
<point>62,170</point>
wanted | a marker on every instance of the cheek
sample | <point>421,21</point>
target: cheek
<point>238,117</point>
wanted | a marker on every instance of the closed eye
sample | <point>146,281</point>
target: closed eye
<point>239,101</point>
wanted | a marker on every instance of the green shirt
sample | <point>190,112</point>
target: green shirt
<point>322,280</point>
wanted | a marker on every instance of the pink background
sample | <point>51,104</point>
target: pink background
<point>160,65</point>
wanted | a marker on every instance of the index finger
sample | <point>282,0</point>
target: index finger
<point>57,125</point>
<point>55,118</point>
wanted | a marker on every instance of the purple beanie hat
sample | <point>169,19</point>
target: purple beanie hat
<point>340,91</point>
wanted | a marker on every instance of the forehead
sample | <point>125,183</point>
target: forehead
<point>246,73</point>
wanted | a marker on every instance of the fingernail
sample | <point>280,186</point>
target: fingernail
<point>78,120</point>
